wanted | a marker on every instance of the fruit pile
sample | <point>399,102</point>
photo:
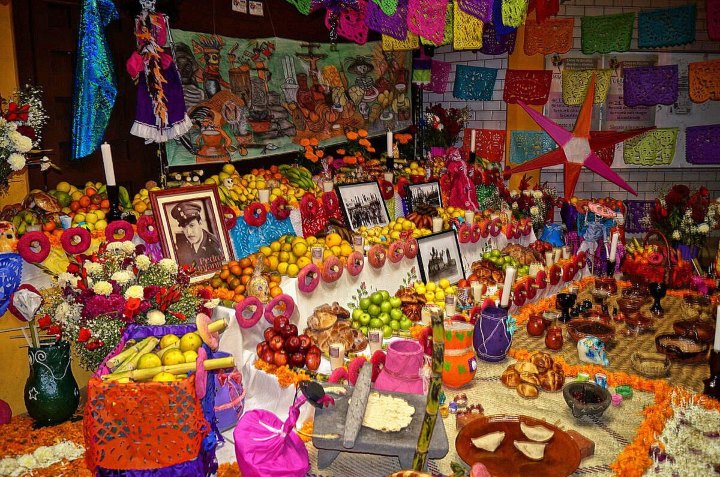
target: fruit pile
<point>435,292</point>
<point>392,231</point>
<point>289,254</point>
<point>414,169</point>
<point>649,263</point>
<point>449,213</point>
<point>230,283</point>
<point>283,346</point>
<point>87,206</point>
<point>382,312</point>
<point>422,216</point>
<point>513,259</point>
<point>141,200</point>
<point>298,176</point>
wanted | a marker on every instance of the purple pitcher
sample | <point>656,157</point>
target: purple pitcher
<point>491,338</point>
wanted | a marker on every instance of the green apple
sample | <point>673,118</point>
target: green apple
<point>385,307</point>
<point>356,325</point>
<point>387,332</point>
<point>395,302</point>
<point>374,310</point>
<point>376,298</point>
<point>356,314</point>
<point>405,324</point>
<point>385,294</point>
<point>364,303</point>
<point>385,318</point>
<point>365,319</point>
<point>395,325</point>
<point>375,323</point>
<point>364,330</point>
<point>396,314</point>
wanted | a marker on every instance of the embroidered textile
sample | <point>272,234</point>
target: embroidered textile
<point>702,144</point>
<point>410,42</point>
<point>545,9</point>
<point>704,81</point>
<point>489,144</point>
<point>388,6</point>
<point>529,86</point>
<point>467,30</point>
<point>448,34</point>
<point>514,12</point>
<point>650,85</point>
<point>351,23</point>
<point>440,72</point>
<point>474,82</point>
<point>654,148</point>
<point>666,27</point>
<point>527,145</point>
<point>480,9</point>
<point>492,44</point>
<point>427,18</point>
<point>712,10</point>
<point>575,84</point>
<point>497,20</point>
<point>607,33</point>
<point>394,25</point>
<point>551,36</point>
<point>303,6</point>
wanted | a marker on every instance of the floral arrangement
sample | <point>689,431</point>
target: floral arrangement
<point>99,295</point>
<point>310,150</point>
<point>441,127</point>
<point>535,203</point>
<point>21,121</point>
<point>685,216</point>
<point>357,151</point>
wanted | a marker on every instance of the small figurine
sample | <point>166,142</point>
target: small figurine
<point>592,350</point>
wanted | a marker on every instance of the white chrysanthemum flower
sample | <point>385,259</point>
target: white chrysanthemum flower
<point>142,262</point>
<point>537,194</point>
<point>26,461</point>
<point>93,268</point>
<point>66,278</point>
<point>16,161</point>
<point>122,277</point>
<point>134,291</point>
<point>534,210</point>
<point>168,265</point>
<point>22,143</point>
<point>676,235</point>
<point>128,246</point>
<point>514,193</point>
<point>44,455</point>
<point>210,304</point>
<point>703,228</point>
<point>155,318</point>
<point>114,247</point>
<point>103,288</point>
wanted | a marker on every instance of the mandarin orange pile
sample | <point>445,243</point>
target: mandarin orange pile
<point>230,283</point>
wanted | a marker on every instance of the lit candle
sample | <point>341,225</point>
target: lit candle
<point>510,273</point>
<point>477,292</point>
<point>450,306</point>
<point>359,243</point>
<point>264,195</point>
<point>613,246</point>
<point>328,186</point>
<point>389,144</point>
<point>472,140</point>
<point>557,254</point>
<point>566,252</point>
<point>548,259</point>
<point>108,164</point>
<point>437,224</point>
<point>716,345</point>
<point>469,217</point>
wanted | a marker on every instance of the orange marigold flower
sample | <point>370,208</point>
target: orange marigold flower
<point>364,142</point>
<point>320,153</point>
<point>341,152</point>
<point>314,141</point>
<point>351,135</point>
<point>350,160</point>
<point>362,133</point>
<point>304,142</point>
<point>371,149</point>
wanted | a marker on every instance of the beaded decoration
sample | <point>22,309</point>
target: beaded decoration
<point>666,27</point>
<point>467,30</point>
<point>712,10</point>
<point>480,9</point>
<point>427,18</point>
<point>439,74</point>
<point>527,145</point>
<point>702,144</point>
<point>552,36</point>
<point>489,144</point>
<point>394,25</point>
<point>303,6</point>
<point>497,19</point>
<point>650,85</point>
<point>575,85</point>
<point>351,23</point>
<point>492,44</point>
<point>389,7</point>
<point>704,81</point>
<point>474,83</point>
<point>606,33</point>
<point>514,12</point>
<point>529,86</point>
<point>545,9</point>
<point>654,148</point>
<point>411,42</point>
<point>448,34</point>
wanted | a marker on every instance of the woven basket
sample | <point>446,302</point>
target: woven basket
<point>650,365</point>
<point>666,267</point>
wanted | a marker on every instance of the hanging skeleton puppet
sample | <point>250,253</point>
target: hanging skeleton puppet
<point>160,108</point>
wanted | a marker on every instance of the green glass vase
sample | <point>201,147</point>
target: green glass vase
<point>51,392</point>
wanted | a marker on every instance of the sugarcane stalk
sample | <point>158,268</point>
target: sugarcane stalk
<point>175,345</point>
<point>130,364</point>
<point>117,360</point>
<point>149,373</point>
<point>433,397</point>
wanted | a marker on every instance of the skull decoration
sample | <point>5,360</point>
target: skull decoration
<point>8,237</point>
<point>228,182</point>
<point>147,5</point>
<point>592,350</point>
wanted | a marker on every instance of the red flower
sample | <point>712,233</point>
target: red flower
<point>44,322</point>
<point>179,316</point>
<point>84,335</point>
<point>27,131</point>
<point>93,345</point>
<point>73,268</point>
<point>54,330</point>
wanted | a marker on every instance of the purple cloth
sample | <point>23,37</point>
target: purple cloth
<point>481,9</point>
<point>495,44</point>
<point>174,100</point>
<point>394,25</point>
<point>650,85</point>
<point>702,144</point>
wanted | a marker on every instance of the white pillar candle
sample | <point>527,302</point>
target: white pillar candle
<point>375,340</point>
<point>716,344</point>
<point>613,246</point>
<point>437,224</point>
<point>557,254</point>
<point>328,186</point>
<point>337,355</point>
<point>108,164</point>
<point>469,216</point>
<point>264,195</point>
<point>389,138</point>
<point>548,259</point>
<point>477,292</point>
<point>388,176</point>
<point>450,306</point>
<point>510,273</point>
<point>566,252</point>
<point>359,243</point>
<point>472,140</point>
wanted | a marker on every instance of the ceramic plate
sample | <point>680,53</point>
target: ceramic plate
<point>562,455</point>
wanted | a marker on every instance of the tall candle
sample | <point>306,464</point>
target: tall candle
<point>389,138</point>
<point>328,186</point>
<point>264,195</point>
<point>337,355</point>
<point>613,246</point>
<point>716,345</point>
<point>477,292</point>
<point>548,259</point>
<point>108,164</point>
<point>437,224</point>
<point>450,306</point>
<point>472,140</point>
<point>510,273</point>
<point>469,217</point>
<point>557,254</point>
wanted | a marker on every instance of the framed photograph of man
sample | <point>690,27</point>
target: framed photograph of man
<point>439,257</point>
<point>426,193</point>
<point>191,230</point>
<point>362,205</point>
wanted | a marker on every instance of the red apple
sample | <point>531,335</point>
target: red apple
<point>276,343</point>
<point>269,333</point>
<point>297,360</point>
<point>292,344</point>
<point>280,323</point>
<point>261,348</point>
<point>312,361</point>
<point>305,342</point>
<point>289,330</point>
<point>280,358</point>
<point>269,357</point>
<point>314,350</point>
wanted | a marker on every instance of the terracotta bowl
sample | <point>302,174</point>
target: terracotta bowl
<point>696,307</point>
<point>581,328</point>
<point>701,331</point>
<point>680,348</point>
<point>586,399</point>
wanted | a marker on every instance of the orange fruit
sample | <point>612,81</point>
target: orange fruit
<point>245,279</point>
<point>74,205</point>
<point>239,289</point>
<point>238,297</point>
<point>275,291</point>
<point>234,283</point>
<point>248,271</point>
<point>84,201</point>
<point>105,204</point>
<point>90,191</point>
<point>224,274</point>
<point>236,270</point>
<point>245,262</point>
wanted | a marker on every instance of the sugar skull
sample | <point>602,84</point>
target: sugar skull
<point>8,237</point>
<point>592,350</point>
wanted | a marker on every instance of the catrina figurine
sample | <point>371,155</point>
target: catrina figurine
<point>160,108</point>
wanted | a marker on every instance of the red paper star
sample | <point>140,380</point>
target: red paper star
<point>577,148</point>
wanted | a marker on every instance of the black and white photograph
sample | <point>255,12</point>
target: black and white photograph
<point>426,193</point>
<point>191,230</point>
<point>363,205</point>
<point>439,257</point>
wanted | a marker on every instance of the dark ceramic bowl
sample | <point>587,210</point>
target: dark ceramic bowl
<point>583,327</point>
<point>586,399</point>
<point>701,331</point>
<point>681,348</point>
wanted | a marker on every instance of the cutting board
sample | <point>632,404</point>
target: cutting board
<point>331,420</point>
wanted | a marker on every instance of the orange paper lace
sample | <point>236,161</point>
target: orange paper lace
<point>467,30</point>
<point>704,81</point>
<point>552,36</point>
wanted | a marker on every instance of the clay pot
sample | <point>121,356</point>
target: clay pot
<point>586,399</point>
<point>554,338</point>
<point>535,325</point>
<point>460,362</point>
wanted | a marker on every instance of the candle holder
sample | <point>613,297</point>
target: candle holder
<point>565,301</point>
<point>712,384</point>
<point>113,197</point>
<point>657,291</point>
<point>390,163</point>
<point>472,157</point>
<point>610,268</point>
